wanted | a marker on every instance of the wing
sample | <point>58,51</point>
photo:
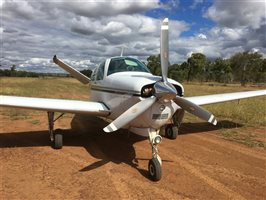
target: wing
<point>218,98</point>
<point>55,105</point>
<point>75,73</point>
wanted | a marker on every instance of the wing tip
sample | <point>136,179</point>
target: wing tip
<point>106,129</point>
<point>55,59</point>
<point>110,128</point>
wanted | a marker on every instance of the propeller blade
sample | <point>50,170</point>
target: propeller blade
<point>195,110</point>
<point>164,49</point>
<point>130,114</point>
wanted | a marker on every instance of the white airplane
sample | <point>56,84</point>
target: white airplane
<point>124,90</point>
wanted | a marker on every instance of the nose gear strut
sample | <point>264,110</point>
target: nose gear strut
<point>155,164</point>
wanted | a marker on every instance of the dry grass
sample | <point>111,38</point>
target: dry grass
<point>249,112</point>
<point>49,87</point>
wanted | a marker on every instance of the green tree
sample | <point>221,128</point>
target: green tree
<point>178,72</point>
<point>86,72</point>
<point>154,64</point>
<point>247,67</point>
<point>13,68</point>
<point>221,70</point>
<point>197,66</point>
<point>13,71</point>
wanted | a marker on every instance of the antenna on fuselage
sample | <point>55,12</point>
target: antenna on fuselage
<point>122,51</point>
<point>123,46</point>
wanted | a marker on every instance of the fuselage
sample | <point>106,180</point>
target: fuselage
<point>125,87</point>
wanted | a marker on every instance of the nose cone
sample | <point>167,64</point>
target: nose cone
<point>164,91</point>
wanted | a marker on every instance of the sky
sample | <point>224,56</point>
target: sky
<point>84,33</point>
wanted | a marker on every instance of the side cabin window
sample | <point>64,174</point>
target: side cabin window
<point>124,64</point>
<point>93,75</point>
<point>98,73</point>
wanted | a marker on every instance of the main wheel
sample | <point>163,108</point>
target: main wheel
<point>155,169</point>
<point>171,132</point>
<point>58,140</point>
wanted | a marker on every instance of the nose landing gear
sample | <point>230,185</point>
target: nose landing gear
<point>155,164</point>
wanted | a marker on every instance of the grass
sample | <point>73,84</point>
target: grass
<point>249,112</point>
<point>36,122</point>
<point>245,113</point>
<point>247,139</point>
<point>50,87</point>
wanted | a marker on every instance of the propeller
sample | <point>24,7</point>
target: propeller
<point>162,91</point>
<point>130,114</point>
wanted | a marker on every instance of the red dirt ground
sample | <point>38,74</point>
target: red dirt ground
<point>199,164</point>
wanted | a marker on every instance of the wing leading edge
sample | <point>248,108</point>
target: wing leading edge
<point>218,98</point>
<point>55,105</point>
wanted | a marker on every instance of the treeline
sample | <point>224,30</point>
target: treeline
<point>12,72</point>
<point>242,67</point>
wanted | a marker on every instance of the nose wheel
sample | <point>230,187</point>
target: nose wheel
<point>155,164</point>
<point>155,169</point>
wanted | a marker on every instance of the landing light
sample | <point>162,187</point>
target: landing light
<point>157,139</point>
<point>147,91</point>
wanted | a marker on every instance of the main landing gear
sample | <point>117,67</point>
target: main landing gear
<point>55,136</point>
<point>155,164</point>
<point>170,131</point>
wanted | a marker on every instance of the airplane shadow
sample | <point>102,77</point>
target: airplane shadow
<point>199,127</point>
<point>86,131</point>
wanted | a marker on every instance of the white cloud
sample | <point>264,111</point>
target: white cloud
<point>102,8</point>
<point>235,14</point>
<point>202,36</point>
<point>116,29</point>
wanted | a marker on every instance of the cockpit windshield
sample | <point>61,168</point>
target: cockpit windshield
<point>124,64</point>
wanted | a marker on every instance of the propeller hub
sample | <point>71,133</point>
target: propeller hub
<point>164,91</point>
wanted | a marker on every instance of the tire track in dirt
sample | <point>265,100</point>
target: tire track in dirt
<point>231,146</point>
<point>193,170</point>
<point>230,173</point>
<point>210,181</point>
<point>162,193</point>
<point>121,188</point>
<point>249,171</point>
<point>120,180</point>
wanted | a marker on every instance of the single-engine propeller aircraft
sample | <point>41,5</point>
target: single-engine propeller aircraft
<point>124,90</point>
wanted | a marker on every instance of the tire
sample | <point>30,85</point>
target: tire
<point>171,132</point>
<point>58,141</point>
<point>155,169</point>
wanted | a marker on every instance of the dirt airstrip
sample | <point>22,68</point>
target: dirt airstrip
<point>199,164</point>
